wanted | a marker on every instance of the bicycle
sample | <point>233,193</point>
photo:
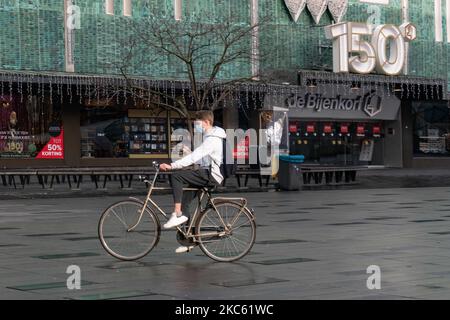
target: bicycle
<point>223,228</point>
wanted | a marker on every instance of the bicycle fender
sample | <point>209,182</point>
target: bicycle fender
<point>136,199</point>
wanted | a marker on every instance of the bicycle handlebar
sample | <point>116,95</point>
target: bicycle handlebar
<point>145,179</point>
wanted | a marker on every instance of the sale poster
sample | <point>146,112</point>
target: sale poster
<point>22,145</point>
<point>54,149</point>
<point>241,151</point>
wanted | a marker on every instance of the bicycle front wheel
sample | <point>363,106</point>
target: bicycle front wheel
<point>230,243</point>
<point>117,235</point>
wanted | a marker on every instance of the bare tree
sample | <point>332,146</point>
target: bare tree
<point>206,51</point>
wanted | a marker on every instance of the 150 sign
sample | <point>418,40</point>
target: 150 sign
<point>385,53</point>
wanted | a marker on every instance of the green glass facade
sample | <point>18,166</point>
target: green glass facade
<point>32,35</point>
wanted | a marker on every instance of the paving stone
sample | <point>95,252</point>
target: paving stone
<point>290,213</point>
<point>283,261</point>
<point>67,255</point>
<point>41,235</point>
<point>283,241</point>
<point>248,282</point>
<point>115,295</point>
<point>132,265</point>
<point>428,221</point>
<point>87,238</point>
<point>293,220</point>
<point>409,203</point>
<point>384,218</point>
<point>12,245</point>
<point>318,208</point>
<point>44,286</point>
<point>347,224</point>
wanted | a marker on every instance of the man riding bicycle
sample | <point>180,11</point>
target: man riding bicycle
<point>208,157</point>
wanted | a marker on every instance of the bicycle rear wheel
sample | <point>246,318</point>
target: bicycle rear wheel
<point>216,242</point>
<point>117,238</point>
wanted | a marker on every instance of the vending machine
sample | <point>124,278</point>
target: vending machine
<point>311,142</point>
<point>295,137</point>
<point>360,144</point>
<point>377,136</point>
<point>328,143</point>
<point>343,139</point>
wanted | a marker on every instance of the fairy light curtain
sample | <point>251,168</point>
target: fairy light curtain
<point>33,43</point>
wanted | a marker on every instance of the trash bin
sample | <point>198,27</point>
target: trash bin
<point>289,172</point>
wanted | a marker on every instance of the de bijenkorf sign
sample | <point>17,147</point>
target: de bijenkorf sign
<point>343,104</point>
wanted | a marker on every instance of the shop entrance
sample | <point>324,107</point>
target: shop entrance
<point>343,143</point>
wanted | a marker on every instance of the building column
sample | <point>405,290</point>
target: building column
<point>72,135</point>
<point>405,18</point>
<point>68,35</point>
<point>254,13</point>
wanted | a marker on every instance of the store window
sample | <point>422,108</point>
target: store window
<point>30,127</point>
<point>120,131</point>
<point>431,129</point>
<point>102,131</point>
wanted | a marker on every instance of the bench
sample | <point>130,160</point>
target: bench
<point>24,176</point>
<point>100,176</point>
<point>247,172</point>
<point>74,177</point>
<point>329,174</point>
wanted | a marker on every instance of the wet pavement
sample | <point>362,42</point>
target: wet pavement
<point>310,245</point>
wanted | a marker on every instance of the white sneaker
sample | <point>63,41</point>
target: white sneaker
<point>175,221</point>
<point>184,249</point>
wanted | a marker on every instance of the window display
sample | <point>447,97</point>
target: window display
<point>116,131</point>
<point>30,128</point>
<point>431,129</point>
<point>102,132</point>
<point>147,136</point>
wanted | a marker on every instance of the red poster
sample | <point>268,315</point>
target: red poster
<point>54,148</point>
<point>241,151</point>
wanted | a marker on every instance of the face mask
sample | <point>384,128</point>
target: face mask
<point>198,127</point>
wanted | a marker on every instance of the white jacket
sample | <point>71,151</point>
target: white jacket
<point>275,132</point>
<point>208,155</point>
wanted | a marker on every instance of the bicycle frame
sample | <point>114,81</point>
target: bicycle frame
<point>203,193</point>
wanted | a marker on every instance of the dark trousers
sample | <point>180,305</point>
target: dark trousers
<point>190,179</point>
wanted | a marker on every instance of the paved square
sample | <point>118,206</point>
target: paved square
<point>310,245</point>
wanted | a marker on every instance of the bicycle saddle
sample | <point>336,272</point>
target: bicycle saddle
<point>210,188</point>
